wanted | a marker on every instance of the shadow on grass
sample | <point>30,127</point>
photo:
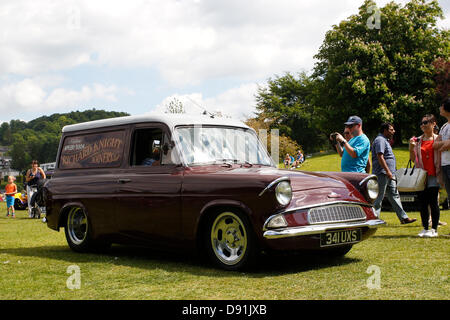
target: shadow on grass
<point>297,262</point>
<point>19,217</point>
<point>145,258</point>
<point>399,236</point>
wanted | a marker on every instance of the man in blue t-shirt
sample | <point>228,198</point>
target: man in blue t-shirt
<point>356,150</point>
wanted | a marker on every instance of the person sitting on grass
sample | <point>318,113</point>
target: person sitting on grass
<point>299,159</point>
<point>288,161</point>
<point>10,191</point>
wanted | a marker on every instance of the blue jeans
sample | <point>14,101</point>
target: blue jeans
<point>389,188</point>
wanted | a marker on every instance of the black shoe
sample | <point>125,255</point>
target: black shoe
<point>408,220</point>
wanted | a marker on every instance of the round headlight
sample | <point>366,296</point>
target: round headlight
<point>372,189</point>
<point>283,193</point>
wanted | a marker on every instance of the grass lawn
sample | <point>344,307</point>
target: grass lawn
<point>332,162</point>
<point>34,261</point>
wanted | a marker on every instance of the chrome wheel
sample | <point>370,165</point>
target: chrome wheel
<point>77,226</point>
<point>229,239</point>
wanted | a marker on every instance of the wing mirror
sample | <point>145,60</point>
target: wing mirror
<point>166,148</point>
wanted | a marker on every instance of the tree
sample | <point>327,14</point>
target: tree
<point>175,106</point>
<point>384,73</point>
<point>5,134</point>
<point>286,103</point>
<point>442,77</point>
<point>21,159</point>
<point>285,144</point>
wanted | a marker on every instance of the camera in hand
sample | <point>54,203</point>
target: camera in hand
<point>333,138</point>
<point>334,141</point>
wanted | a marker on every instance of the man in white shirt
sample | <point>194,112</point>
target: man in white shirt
<point>443,143</point>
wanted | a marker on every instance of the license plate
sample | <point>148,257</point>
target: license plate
<point>407,199</point>
<point>335,238</point>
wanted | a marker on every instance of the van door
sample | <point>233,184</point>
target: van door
<point>149,195</point>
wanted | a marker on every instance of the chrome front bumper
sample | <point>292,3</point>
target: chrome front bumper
<point>318,229</point>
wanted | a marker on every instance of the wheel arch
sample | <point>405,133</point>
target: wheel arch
<point>65,211</point>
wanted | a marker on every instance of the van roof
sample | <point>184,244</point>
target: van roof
<point>170,119</point>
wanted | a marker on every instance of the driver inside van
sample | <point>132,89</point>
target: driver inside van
<point>154,159</point>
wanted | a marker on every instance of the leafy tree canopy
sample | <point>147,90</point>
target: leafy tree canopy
<point>285,103</point>
<point>382,72</point>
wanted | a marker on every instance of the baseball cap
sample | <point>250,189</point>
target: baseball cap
<point>353,120</point>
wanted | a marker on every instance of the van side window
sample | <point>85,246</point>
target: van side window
<point>97,150</point>
<point>147,145</point>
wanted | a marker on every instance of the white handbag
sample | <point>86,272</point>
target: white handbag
<point>411,179</point>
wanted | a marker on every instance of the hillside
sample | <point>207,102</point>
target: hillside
<point>39,138</point>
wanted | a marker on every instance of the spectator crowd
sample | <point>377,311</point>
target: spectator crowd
<point>429,152</point>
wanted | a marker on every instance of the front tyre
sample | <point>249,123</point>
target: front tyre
<point>230,241</point>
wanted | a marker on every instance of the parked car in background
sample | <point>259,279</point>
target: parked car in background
<point>410,201</point>
<point>186,183</point>
<point>20,201</point>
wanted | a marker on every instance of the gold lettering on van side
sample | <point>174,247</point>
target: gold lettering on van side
<point>101,151</point>
<point>105,157</point>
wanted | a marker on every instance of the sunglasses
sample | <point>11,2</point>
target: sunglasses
<point>424,123</point>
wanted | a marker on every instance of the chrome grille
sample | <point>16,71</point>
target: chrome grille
<point>336,213</point>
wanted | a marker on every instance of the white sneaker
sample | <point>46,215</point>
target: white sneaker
<point>430,234</point>
<point>422,233</point>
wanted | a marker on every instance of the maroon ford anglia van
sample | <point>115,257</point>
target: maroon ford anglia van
<point>180,182</point>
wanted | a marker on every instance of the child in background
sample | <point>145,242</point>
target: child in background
<point>10,191</point>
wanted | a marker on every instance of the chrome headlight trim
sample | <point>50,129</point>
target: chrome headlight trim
<point>372,189</point>
<point>274,182</point>
<point>365,187</point>
<point>283,193</point>
<point>372,176</point>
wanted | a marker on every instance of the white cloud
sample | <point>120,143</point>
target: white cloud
<point>33,94</point>
<point>72,98</point>
<point>237,102</point>
<point>187,41</point>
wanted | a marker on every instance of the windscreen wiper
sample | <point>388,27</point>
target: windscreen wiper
<point>248,163</point>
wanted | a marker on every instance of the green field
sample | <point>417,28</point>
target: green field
<point>34,261</point>
<point>332,162</point>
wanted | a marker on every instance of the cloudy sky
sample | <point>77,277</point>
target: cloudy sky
<point>137,55</point>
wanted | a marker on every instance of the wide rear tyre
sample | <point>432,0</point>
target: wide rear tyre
<point>78,232</point>
<point>230,241</point>
<point>18,205</point>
